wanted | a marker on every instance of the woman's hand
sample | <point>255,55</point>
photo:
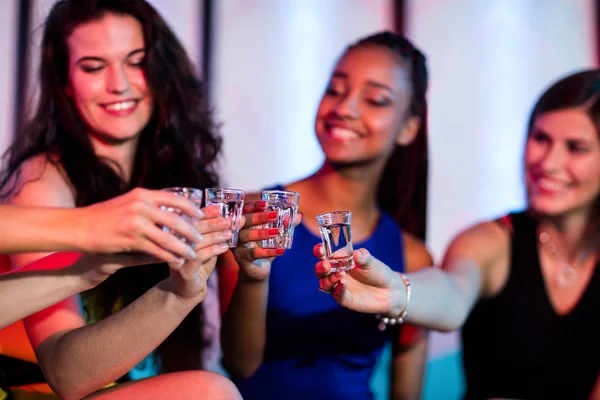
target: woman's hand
<point>254,261</point>
<point>370,287</point>
<point>133,222</point>
<point>188,280</point>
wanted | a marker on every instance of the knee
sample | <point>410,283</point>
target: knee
<point>210,385</point>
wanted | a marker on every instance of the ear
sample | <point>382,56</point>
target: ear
<point>409,131</point>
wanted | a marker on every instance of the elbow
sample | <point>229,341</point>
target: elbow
<point>447,328</point>
<point>242,368</point>
<point>64,384</point>
<point>66,389</point>
<point>248,370</point>
<point>455,319</point>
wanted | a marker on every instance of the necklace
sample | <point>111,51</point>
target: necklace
<point>565,275</point>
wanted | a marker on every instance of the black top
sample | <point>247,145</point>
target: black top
<point>516,346</point>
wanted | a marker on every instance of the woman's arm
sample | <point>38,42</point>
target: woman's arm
<point>125,223</point>
<point>30,289</point>
<point>410,349</point>
<point>441,299</point>
<point>78,359</point>
<point>243,333</point>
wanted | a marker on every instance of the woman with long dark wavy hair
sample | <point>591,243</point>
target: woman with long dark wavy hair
<point>281,337</point>
<point>120,107</point>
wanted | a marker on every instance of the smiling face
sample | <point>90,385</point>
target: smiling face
<point>562,163</point>
<point>106,80</point>
<point>363,113</point>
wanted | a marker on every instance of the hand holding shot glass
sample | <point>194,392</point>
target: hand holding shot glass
<point>337,239</point>
<point>231,202</point>
<point>286,204</point>
<point>195,195</point>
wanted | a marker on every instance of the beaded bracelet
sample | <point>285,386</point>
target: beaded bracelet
<point>385,321</point>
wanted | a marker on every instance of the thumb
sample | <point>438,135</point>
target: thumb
<point>364,259</point>
<point>370,270</point>
<point>206,268</point>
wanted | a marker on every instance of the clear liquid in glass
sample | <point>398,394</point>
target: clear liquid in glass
<point>338,246</point>
<point>231,209</point>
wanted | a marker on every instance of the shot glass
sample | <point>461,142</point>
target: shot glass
<point>337,239</point>
<point>193,194</point>
<point>286,204</point>
<point>231,202</point>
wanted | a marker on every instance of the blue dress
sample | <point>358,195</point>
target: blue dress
<point>316,349</point>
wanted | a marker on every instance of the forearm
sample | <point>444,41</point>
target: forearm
<point>439,300</point>
<point>26,292</point>
<point>84,360</point>
<point>38,229</point>
<point>243,333</point>
<point>408,368</point>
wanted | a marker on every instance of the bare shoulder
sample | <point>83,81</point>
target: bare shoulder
<point>40,181</point>
<point>416,254</point>
<point>486,243</point>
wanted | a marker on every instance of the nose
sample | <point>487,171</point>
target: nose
<point>553,159</point>
<point>348,107</point>
<point>117,81</point>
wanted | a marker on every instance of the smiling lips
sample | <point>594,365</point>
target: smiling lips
<point>343,134</point>
<point>548,186</point>
<point>121,108</point>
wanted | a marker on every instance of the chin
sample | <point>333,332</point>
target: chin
<point>117,136</point>
<point>554,208</point>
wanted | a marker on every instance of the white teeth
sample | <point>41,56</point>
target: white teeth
<point>344,134</point>
<point>124,105</point>
<point>549,185</point>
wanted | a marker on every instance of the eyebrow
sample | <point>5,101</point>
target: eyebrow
<point>540,131</point>
<point>343,75</point>
<point>90,58</point>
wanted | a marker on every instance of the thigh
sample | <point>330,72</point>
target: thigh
<point>176,386</point>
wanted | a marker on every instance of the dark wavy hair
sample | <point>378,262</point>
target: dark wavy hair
<point>178,147</point>
<point>403,187</point>
<point>579,90</point>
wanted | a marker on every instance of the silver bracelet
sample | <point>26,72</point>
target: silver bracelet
<point>399,320</point>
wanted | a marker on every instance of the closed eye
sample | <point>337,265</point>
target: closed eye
<point>91,69</point>
<point>576,146</point>
<point>379,102</point>
<point>540,137</point>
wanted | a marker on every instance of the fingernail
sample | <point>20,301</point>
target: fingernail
<point>199,213</point>
<point>192,254</point>
<point>365,256</point>
<point>262,203</point>
<point>199,237</point>
<point>279,251</point>
<point>273,231</point>
<point>272,215</point>
<point>223,245</point>
<point>338,274</point>
<point>225,235</point>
